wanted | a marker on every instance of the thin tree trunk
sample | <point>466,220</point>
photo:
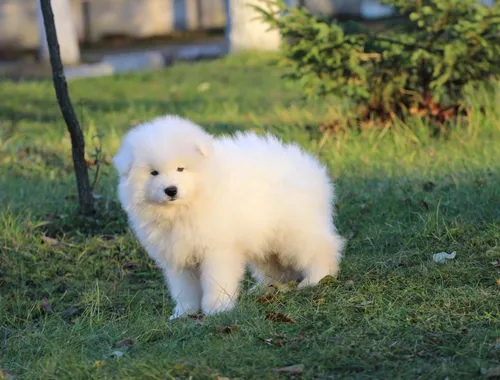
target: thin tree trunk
<point>61,88</point>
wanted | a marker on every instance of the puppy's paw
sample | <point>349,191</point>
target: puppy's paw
<point>307,283</point>
<point>180,312</point>
<point>175,316</point>
<point>222,303</point>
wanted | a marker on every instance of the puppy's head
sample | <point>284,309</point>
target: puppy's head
<point>159,162</point>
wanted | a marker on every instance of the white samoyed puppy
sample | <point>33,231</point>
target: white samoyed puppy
<point>204,208</point>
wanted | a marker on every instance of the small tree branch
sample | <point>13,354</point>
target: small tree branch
<point>85,196</point>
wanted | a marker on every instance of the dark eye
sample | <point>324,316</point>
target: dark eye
<point>180,169</point>
<point>154,172</point>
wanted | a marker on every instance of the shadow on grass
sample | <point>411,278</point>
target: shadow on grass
<point>374,206</point>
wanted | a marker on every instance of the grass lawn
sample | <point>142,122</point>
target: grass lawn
<point>80,299</point>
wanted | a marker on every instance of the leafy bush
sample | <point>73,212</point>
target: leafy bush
<point>419,64</point>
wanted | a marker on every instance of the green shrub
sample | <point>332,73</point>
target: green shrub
<point>419,63</point>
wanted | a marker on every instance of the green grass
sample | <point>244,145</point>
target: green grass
<point>403,195</point>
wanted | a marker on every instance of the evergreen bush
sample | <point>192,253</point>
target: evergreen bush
<point>418,64</point>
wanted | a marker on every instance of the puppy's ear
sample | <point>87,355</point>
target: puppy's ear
<point>204,148</point>
<point>123,160</point>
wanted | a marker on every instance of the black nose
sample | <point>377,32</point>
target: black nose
<point>171,191</point>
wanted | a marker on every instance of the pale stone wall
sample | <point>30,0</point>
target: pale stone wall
<point>145,18</point>
<point>213,14</point>
<point>19,22</point>
<point>135,18</point>
<point>66,33</point>
<point>132,18</point>
<point>247,33</point>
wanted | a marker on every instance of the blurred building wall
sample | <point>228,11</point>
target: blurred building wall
<point>132,18</point>
<point>148,18</point>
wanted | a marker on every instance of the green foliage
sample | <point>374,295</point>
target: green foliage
<point>438,48</point>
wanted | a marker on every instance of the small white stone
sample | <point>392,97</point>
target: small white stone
<point>441,257</point>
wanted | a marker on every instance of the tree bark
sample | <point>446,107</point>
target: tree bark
<point>85,196</point>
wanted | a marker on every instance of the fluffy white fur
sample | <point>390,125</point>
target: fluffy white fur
<point>240,200</point>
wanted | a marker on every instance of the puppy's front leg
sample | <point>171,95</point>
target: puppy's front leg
<point>185,289</point>
<point>220,279</point>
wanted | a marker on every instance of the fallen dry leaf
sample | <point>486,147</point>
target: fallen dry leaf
<point>292,369</point>
<point>226,329</point>
<point>130,265</point>
<point>50,241</point>
<point>46,306</point>
<point>125,342</point>
<point>268,299</point>
<point>196,316</point>
<point>434,340</point>
<point>498,282</point>
<point>278,317</point>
